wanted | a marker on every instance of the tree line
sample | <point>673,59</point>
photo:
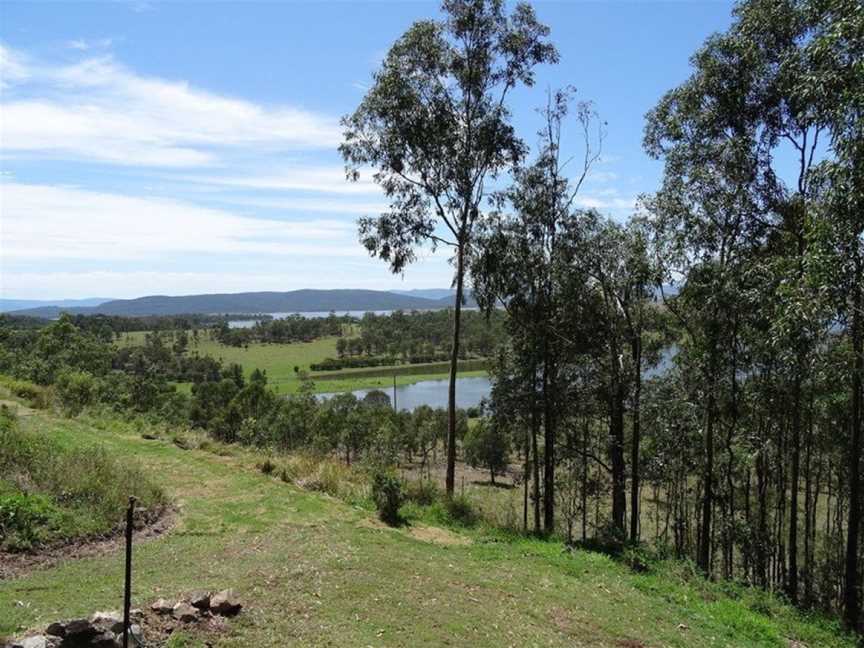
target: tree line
<point>753,437</point>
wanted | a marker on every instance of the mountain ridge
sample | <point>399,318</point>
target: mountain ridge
<point>299,301</point>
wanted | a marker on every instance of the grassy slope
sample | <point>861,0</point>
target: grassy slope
<point>279,361</point>
<point>314,573</point>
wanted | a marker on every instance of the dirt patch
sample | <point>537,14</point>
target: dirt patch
<point>437,535</point>
<point>630,643</point>
<point>17,408</point>
<point>15,565</point>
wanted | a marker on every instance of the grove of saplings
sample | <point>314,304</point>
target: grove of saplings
<point>749,257</point>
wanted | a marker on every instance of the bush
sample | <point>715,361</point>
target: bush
<point>460,510</point>
<point>388,495</point>
<point>25,520</point>
<point>267,466</point>
<point>75,390</point>
<point>36,395</point>
<point>423,492</point>
<point>86,488</point>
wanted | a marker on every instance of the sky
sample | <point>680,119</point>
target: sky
<point>189,147</point>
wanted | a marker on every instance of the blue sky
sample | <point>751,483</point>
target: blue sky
<point>177,148</point>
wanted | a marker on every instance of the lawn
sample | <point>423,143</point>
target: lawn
<point>280,360</point>
<point>314,571</point>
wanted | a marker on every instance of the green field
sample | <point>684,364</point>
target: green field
<point>280,360</point>
<point>313,571</point>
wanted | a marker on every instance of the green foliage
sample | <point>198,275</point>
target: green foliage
<point>388,495</point>
<point>75,390</point>
<point>486,444</point>
<point>26,520</point>
<point>54,492</point>
<point>36,395</point>
<point>423,492</point>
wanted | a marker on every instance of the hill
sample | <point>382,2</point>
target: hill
<point>299,301</point>
<point>312,570</point>
<point>7,305</point>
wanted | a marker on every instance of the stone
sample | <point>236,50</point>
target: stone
<point>136,637</point>
<point>185,612</point>
<point>56,629</point>
<point>225,603</point>
<point>161,606</point>
<point>107,621</point>
<point>36,641</point>
<point>200,600</point>
<point>80,627</point>
<point>104,639</point>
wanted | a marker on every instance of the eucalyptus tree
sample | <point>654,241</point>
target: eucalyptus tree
<point>525,248</point>
<point>702,220</point>
<point>834,84</point>
<point>435,127</point>
<point>615,261</point>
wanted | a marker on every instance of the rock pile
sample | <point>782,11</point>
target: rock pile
<point>105,629</point>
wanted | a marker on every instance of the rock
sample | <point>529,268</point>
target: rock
<point>185,612</point>
<point>107,621</point>
<point>36,641</point>
<point>225,603</point>
<point>79,628</point>
<point>136,637</point>
<point>56,629</point>
<point>161,606</point>
<point>200,600</point>
<point>104,639</point>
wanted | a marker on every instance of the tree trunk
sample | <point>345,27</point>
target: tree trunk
<point>704,555</point>
<point>852,602</point>
<point>616,450</point>
<point>548,445</point>
<point>794,477</point>
<point>535,430</point>
<point>454,360</point>
<point>634,445</point>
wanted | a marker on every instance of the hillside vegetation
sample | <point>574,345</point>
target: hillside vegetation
<point>314,571</point>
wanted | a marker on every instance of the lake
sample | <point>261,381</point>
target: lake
<point>469,393</point>
<point>249,323</point>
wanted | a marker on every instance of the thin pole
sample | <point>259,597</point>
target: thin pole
<point>127,598</point>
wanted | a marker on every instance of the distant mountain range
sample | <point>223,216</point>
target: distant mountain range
<point>7,305</point>
<point>296,301</point>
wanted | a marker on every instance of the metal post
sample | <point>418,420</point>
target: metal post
<point>127,599</point>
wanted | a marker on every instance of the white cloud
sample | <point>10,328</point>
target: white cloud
<point>605,202</point>
<point>96,109</point>
<point>324,179</point>
<point>43,222</point>
<point>83,44</point>
<point>124,285</point>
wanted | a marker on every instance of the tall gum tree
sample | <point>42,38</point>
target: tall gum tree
<point>435,128</point>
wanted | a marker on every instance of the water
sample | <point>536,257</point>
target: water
<point>469,393</point>
<point>249,323</point>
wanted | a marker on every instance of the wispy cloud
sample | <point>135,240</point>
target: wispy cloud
<point>84,44</point>
<point>43,222</point>
<point>97,109</point>
<point>321,179</point>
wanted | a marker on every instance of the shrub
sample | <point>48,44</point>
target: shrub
<point>75,390</point>
<point>25,520</point>
<point>87,488</point>
<point>267,466</point>
<point>388,495</point>
<point>460,510</point>
<point>423,492</point>
<point>36,395</point>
